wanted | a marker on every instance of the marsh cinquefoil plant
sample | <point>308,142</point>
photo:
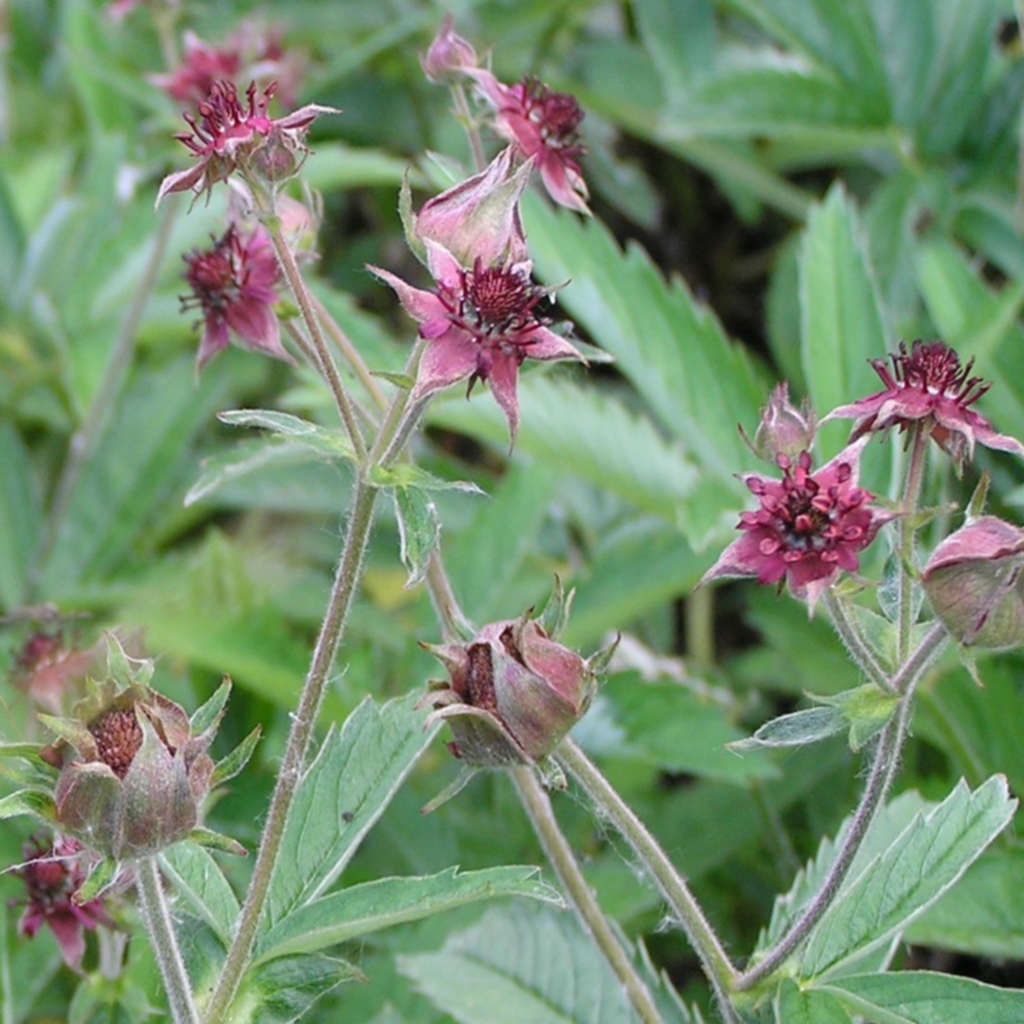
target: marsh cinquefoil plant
<point>127,776</point>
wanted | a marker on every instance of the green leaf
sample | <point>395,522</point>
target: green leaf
<point>362,909</point>
<point>229,766</point>
<point>27,801</point>
<point>924,997</point>
<point>28,751</point>
<point>406,474</point>
<point>865,708</point>
<point>321,440</point>
<point>925,861</point>
<point>797,729</point>
<point>841,324</point>
<point>587,433</point>
<point>209,713</point>
<point>19,512</point>
<point>680,39</point>
<point>335,166</point>
<point>283,991</point>
<point>514,966</point>
<point>201,885</point>
<point>419,530</point>
<point>342,793</point>
<point>983,915</point>
<point>100,876</point>
<point>211,840</point>
<point>697,382</point>
<point>796,1006</point>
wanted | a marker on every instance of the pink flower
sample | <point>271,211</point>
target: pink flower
<point>447,53</point>
<point>479,217</point>
<point>235,284</point>
<point>784,429</point>
<point>928,385</point>
<point>229,137</point>
<point>807,528</point>
<point>480,324</point>
<point>51,875</point>
<point>202,67</point>
<point>542,125</point>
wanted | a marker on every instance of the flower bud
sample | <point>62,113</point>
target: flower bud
<point>514,693</point>
<point>133,776</point>
<point>784,429</point>
<point>448,53</point>
<point>975,584</point>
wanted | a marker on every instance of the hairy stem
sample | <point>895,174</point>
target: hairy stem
<point>911,497</point>
<point>705,942</point>
<point>160,930</point>
<point>290,269</point>
<point>472,132</point>
<point>883,771</point>
<point>118,364</point>
<point>454,624</point>
<point>303,723</point>
<point>855,643</point>
<point>538,808</point>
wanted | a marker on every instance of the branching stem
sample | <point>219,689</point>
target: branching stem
<point>855,643</point>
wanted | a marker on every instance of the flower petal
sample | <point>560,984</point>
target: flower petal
<point>180,181</point>
<point>448,359</point>
<point>544,344</point>
<point>563,184</point>
<point>503,377</point>
<point>422,306</point>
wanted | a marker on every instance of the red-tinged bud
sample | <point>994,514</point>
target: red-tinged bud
<point>784,429</point>
<point>974,582</point>
<point>448,53</point>
<point>513,694</point>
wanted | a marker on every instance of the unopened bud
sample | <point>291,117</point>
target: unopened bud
<point>974,582</point>
<point>784,429</point>
<point>448,53</point>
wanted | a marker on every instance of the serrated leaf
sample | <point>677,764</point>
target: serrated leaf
<point>680,39</point>
<point>513,967</point>
<point>201,885</point>
<point>928,857</point>
<point>865,708</point>
<point>283,990</point>
<point>362,909</point>
<point>926,997</point>
<point>419,530</point>
<point>342,793</point>
<point>797,729</point>
<point>230,765</point>
<point>841,324</point>
<point>794,1005</point>
<point>322,440</point>
<point>27,801</point>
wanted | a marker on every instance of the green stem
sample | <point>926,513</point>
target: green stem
<point>538,808</point>
<point>700,627</point>
<point>472,133</point>
<point>454,624</point>
<point>118,363</point>
<point>908,512</point>
<point>165,945</point>
<point>883,771</point>
<point>855,642</point>
<point>290,268</point>
<point>705,942</point>
<point>303,723</point>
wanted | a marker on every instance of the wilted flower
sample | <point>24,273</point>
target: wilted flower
<point>481,324</point>
<point>807,528</point>
<point>783,429</point>
<point>201,68</point>
<point>234,283</point>
<point>974,582</point>
<point>52,874</point>
<point>448,52</point>
<point>231,137</point>
<point>478,219</point>
<point>133,776</point>
<point>542,125</point>
<point>514,693</point>
<point>928,385</point>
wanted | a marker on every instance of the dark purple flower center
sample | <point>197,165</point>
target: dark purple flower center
<point>803,515</point>
<point>118,738</point>
<point>556,116</point>
<point>934,369</point>
<point>222,117</point>
<point>495,304</point>
<point>215,275</point>
<point>48,876</point>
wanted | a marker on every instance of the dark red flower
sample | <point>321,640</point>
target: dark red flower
<point>481,324</point>
<point>808,527</point>
<point>51,875</point>
<point>201,68</point>
<point>230,136</point>
<point>543,126</point>
<point>928,385</point>
<point>235,285</point>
